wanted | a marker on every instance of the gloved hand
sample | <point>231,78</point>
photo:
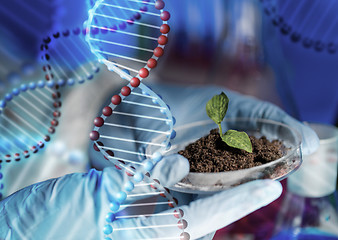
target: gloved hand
<point>188,105</point>
<point>74,206</point>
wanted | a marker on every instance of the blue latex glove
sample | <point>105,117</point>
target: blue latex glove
<point>188,105</point>
<point>74,206</point>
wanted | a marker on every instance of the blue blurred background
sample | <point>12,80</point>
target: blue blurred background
<point>233,43</point>
<point>281,51</point>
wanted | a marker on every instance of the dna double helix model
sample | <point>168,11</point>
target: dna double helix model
<point>25,102</point>
<point>28,116</point>
<point>30,99</point>
<point>312,24</point>
<point>30,111</point>
<point>135,128</point>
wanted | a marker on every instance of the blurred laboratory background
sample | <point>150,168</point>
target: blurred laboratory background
<point>281,51</point>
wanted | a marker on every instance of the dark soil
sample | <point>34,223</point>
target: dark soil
<point>211,154</point>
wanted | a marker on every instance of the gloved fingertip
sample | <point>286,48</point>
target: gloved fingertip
<point>226,207</point>
<point>266,190</point>
<point>171,169</point>
<point>309,141</point>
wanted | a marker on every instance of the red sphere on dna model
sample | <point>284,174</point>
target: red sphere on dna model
<point>158,52</point>
<point>162,40</point>
<point>107,111</point>
<point>164,28</point>
<point>143,73</point>
<point>116,99</point>
<point>98,122</point>
<point>54,122</point>
<point>125,91</point>
<point>56,114</point>
<point>159,4</point>
<point>135,82</point>
<point>152,63</point>
<point>165,15</point>
<point>94,135</point>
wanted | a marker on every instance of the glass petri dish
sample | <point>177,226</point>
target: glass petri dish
<point>206,183</point>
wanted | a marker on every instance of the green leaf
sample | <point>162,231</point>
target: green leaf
<point>217,107</point>
<point>237,139</point>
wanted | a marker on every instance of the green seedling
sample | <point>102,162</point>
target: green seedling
<point>216,110</point>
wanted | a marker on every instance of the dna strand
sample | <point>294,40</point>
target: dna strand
<point>30,112</point>
<point>19,73</point>
<point>28,117</point>
<point>134,116</point>
<point>17,64</point>
<point>24,114</point>
<point>67,59</point>
<point>28,106</point>
<point>309,23</point>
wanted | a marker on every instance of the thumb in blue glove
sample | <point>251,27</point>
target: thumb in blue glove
<point>73,206</point>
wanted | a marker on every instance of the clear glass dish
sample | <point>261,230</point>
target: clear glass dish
<point>279,169</point>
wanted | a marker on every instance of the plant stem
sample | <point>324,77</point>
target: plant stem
<point>220,129</point>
